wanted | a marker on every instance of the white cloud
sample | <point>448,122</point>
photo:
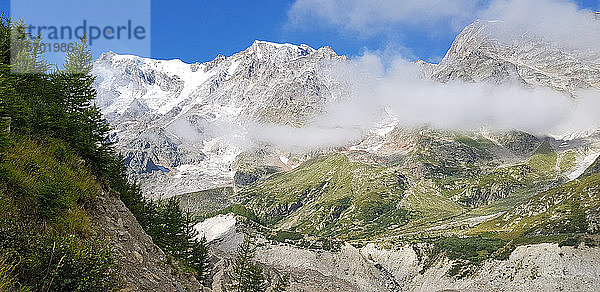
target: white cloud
<point>372,16</point>
<point>415,101</point>
<point>438,16</point>
<point>383,83</point>
<point>401,94</point>
<point>559,21</point>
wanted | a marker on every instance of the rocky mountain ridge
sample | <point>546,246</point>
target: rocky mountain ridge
<point>169,117</point>
<point>483,53</point>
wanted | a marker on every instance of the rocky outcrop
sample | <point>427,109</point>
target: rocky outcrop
<point>542,267</point>
<point>539,267</point>
<point>488,51</point>
<point>142,265</point>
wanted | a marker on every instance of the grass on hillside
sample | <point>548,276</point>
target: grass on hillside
<point>331,196</point>
<point>561,210</point>
<point>45,235</point>
<point>567,161</point>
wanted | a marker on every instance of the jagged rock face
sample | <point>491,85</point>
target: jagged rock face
<point>482,53</point>
<point>170,117</point>
<point>539,267</point>
<point>142,265</point>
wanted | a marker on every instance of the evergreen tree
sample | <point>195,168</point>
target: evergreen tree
<point>59,105</point>
<point>23,89</point>
<point>173,231</point>
<point>25,53</point>
<point>169,229</point>
<point>197,251</point>
<point>256,279</point>
<point>86,129</point>
<point>79,59</point>
<point>198,259</point>
<point>282,284</point>
<point>247,276</point>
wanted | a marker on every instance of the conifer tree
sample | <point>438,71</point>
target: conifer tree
<point>197,250</point>
<point>76,83</point>
<point>247,276</point>
<point>23,85</point>
<point>79,59</point>
<point>282,284</point>
<point>172,229</point>
<point>198,259</point>
<point>256,279</point>
<point>25,53</point>
<point>169,229</point>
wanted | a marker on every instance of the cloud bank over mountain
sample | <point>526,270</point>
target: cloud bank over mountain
<point>400,94</point>
<point>415,101</point>
<point>394,88</point>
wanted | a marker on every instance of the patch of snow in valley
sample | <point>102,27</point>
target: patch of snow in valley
<point>583,165</point>
<point>354,148</point>
<point>469,221</point>
<point>215,227</point>
<point>284,159</point>
<point>385,130</point>
<point>376,148</point>
<point>576,135</point>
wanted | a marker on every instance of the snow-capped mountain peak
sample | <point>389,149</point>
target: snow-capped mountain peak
<point>169,115</point>
<point>490,51</point>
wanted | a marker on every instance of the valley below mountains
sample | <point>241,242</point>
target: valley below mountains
<point>398,208</point>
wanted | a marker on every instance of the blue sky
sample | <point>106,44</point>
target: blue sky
<point>199,30</point>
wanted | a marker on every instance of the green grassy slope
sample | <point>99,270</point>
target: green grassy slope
<point>331,196</point>
<point>447,177</point>
<point>568,215</point>
<point>44,227</point>
<point>571,208</point>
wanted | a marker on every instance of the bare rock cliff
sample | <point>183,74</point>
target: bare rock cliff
<point>143,265</point>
